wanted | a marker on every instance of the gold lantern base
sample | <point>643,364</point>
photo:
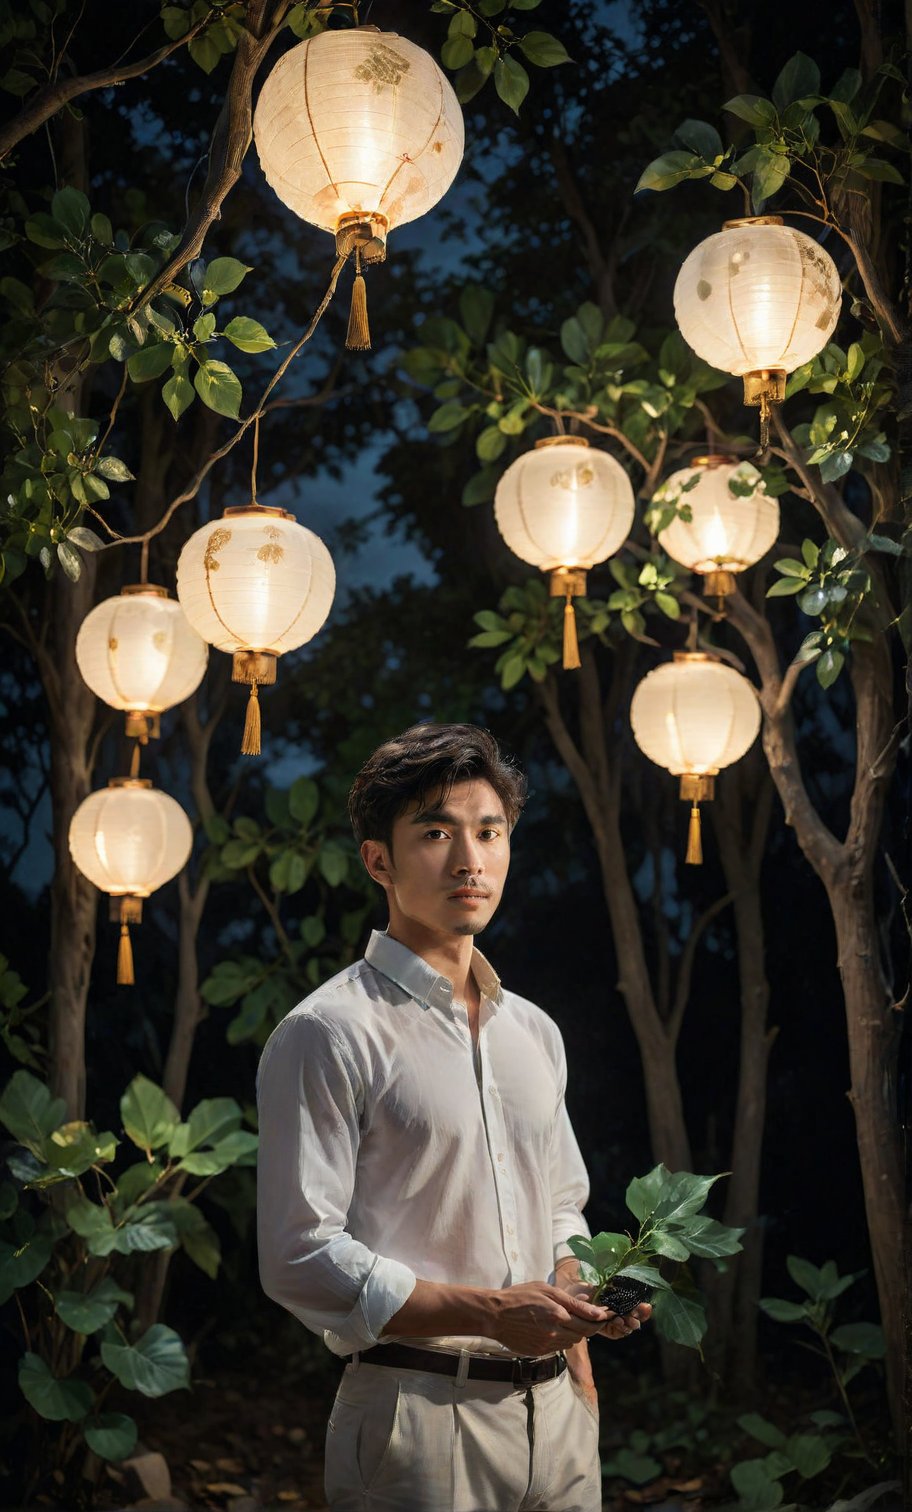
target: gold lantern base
<point>719,583</point>
<point>363,232</point>
<point>569,583</point>
<point>763,389</point>
<point>142,725</point>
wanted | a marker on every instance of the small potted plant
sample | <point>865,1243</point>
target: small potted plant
<point>672,1226</point>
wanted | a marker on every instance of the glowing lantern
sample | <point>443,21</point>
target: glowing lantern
<point>138,653</point>
<point>358,132</point>
<point>758,299</point>
<point>694,716</point>
<point>257,584</point>
<point>733,521</point>
<point>564,507</point>
<point>129,839</point>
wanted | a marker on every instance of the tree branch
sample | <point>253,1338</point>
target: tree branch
<point>576,209</point>
<point>685,970</point>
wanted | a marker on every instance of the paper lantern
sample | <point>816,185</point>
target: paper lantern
<point>758,299</point>
<point>358,131</point>
<point>138,653</point>
<point>564,507</point>
<point>694,716</point>
<point>256,584</point>
<point>733,520</point>
<point>129,839</point>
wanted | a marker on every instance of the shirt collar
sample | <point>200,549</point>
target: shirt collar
<point>413,974</point>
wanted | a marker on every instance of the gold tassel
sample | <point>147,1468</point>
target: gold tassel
<point>694,855</point>
<point>250,745</point>
<point>765,413</point>
<point>359,336</point>
<point>125,976</point>
<point>571,644</point>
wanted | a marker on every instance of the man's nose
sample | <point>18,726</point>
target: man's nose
<point>469,859</point>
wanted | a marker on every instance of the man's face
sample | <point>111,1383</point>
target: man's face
<point>448,862</point>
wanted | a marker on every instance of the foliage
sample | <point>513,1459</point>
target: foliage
<point>832,585</point>
<point>74,1238</point>
<point>847,1349</point>
<point>669,502</point>
<point>672,1226</point>
<point>821,146</point>
<point>295,852</point>
<point>18,1029</point>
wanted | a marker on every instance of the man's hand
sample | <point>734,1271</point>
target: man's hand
<point>534,1318</point>
<point>616,1326</point>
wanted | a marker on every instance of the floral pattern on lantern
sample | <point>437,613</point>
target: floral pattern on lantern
<point>694,716</point>
<point>733,521</point>
<point>256,584</point>
<point>564,507</point>
<point>138,653</point>
<point>129,839</point>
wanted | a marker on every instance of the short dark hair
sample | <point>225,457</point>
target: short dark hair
<point>422,764</point>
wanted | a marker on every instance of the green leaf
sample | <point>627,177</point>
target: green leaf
<point>511,82</point>
<point>44,231</point>
<point>684,1194</point>
<point>113,469</point>
<point>476,309</point>
<point>876,168</point>
<point>490,443</point>
<point>22,1265</point>
<point>73,1148</point>
<point>149,1116</point>
<point>855,361</point>
<point>647,1274</point>
<point>210,1119</point>
<point>56,1400</point>
<point>93,1223</point>
<point>668,605</point>
<point>786,586</point>
<point>860,1338</point>
<point>457,51</point>
<point>701,138</point>
<point>447,417</point>
<point>85,1312</point>
<point>710,1240</point>
<point>156,1364</point>
<point>799,78</point>
<point>69,561</point>
<point>218,387</point>
<point>70,209</point>
<point>669,169</point>
<point>28,1110</point>
<point>333,864</point>
<point>669,1245</point>
<point>248,335</point>
<point>769,175</point>
<point>757,1492</point>
<point>829,666</point>
<point>645,1192</point>
<point>150,361</point>
<point>783,1311</point>
<point>808,1453</point>
<point>752,108</point>
<point>150,1228</point>
<point>680,1319</point>
<point>543,50</point>
<point>628,1465</point>
<point>761,1429</point>
<point>102,230</point>
<point>223,276</point>
<point>303,800</point>
<point>178,394</point>
<point>111,1435</point>
<point>608,1250</point>
<point>197,1237</point>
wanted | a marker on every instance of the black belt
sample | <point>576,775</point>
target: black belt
<point>520,1371</point>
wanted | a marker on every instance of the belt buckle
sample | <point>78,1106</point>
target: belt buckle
<point>524,1370</point>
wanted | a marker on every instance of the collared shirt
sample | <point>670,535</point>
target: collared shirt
<point>390,1149</point>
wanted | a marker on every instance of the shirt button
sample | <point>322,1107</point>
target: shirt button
<point>509,1231</point>
<point>500,1157</point>
<point>514,1255</point>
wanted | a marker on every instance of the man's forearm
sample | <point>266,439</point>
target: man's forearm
<point>435,1307</point>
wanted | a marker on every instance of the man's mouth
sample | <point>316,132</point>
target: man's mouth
<point>469,892</point>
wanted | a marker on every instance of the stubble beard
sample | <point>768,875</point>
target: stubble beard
<point>469,928</point>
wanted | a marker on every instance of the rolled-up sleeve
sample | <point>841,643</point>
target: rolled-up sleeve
<point>308,1095</point>
<point>569,1179</point>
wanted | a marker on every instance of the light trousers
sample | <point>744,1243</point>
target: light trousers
<point>415,1441</point>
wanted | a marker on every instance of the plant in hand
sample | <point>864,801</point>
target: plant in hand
<point>672,1226</point>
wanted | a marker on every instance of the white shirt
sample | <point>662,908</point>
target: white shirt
<point>390,1150</point>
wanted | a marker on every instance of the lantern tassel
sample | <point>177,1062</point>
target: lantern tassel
<point>250,745</point>
<point>765,413</point>
<point>571,644</point>
<point>125,977</point>
<point>694,855</point>
<point>359,336</point>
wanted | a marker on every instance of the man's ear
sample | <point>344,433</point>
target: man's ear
<point>375,855</point>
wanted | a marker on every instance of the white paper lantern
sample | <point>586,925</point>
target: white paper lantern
<point>129,839</point>
<point>563,508</point>
<point>694,716</point>
<point>138,653</point>
<point>358,131</point>
<point>255,584</point>
<point>758,299</point>
<point>733,519</point>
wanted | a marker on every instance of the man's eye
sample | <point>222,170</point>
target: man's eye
<point>490,834</point>
<point>433,834</point>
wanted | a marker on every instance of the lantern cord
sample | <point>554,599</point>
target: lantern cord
<point>134,759</point>
<point>358,338</point>
<point>125,977</point>
<point>250,745</point>
<point>764,423</point>
<point>571,643</point>
<point>694,855</point>
<point>256,455</point>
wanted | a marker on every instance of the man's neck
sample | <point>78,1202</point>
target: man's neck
<point>450,955</point>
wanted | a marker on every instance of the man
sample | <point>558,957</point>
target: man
<point>419,1177</point>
